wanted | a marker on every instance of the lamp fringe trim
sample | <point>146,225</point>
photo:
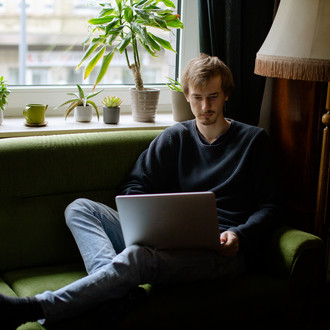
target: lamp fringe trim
<point>292,68</point>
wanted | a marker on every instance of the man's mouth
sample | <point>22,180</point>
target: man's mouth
<point>207,114</point>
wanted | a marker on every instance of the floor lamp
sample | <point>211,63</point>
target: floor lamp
<point>298,47</point>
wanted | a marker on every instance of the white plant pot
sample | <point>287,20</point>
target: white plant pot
<point>1,116</point>
<point>83,114</point>
<point>144,104</point>
<point>180,107</point>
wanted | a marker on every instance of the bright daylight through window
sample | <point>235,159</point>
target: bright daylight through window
<point>41,44</point>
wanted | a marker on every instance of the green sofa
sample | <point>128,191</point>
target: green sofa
<point>41,175</point>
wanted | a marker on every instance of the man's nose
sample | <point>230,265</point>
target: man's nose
<point>205,104</point>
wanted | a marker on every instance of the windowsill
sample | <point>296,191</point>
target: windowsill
<point>15,127</point>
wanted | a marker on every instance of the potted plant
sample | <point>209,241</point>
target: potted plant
<point>125,25</point>
<point>111,109</point>
<point>4,93</point>
<point>180,106</point>
<point>82,105</point>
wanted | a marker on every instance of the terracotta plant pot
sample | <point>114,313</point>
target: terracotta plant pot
<point>144,104</point>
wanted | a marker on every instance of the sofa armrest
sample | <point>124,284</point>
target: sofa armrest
<point>294,254</point>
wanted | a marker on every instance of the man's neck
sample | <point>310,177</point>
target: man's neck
<point>211,132</point>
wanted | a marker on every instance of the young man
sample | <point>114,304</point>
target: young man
<point>210,153</point>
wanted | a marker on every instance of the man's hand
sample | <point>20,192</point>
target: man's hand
<point>229,244</point>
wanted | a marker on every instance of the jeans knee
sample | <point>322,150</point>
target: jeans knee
<point>74,208</point>
<point>136,251</point>
<point>142,259</point>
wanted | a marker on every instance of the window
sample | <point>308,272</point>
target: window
<point>65,56</point>
<point>44,43</point>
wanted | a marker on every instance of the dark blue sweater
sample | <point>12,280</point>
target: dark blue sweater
<point>236,167</point>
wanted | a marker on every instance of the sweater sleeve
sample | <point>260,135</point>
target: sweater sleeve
<point>266,213</point>
<point>152,170</point>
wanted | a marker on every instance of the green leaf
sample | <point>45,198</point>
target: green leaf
<point>153,8</point>
<point>125,42</point>
<point>177,24</point>
<point>90,66</point>
<point>73,94</point>
<point>105,12</point>
<point>87,38</point>
<point>149,50</point>
<point>140,31</point>
<point>104,67</point>
<point>71,107</point>
<point>100,20</point>
<point>128,14</point>
<point>97,40</point>
<point>169,17</point>
<point>81,92</point>
<point>140,4</point>
<point>113,37</point>
<point>65,103</point>
<point>119,5</point>
<point>119,28</point>
<point>164,43</point>
<point>95,107</point>
<point>152,42</point>
<point>111,25</point>
<point>167,3</point>
<point>174,85</point>
<point>88,52</point>
<point>89,96</point>
<point>161,23</point>
<point>142,13</point>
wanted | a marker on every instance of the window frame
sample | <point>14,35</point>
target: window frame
<point>55,95</point>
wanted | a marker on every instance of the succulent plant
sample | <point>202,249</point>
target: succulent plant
<point>4,93</point>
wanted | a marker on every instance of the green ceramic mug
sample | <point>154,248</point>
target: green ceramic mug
<point>35,113</point>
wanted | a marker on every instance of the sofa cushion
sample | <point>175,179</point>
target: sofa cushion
<point>29,282</point>
<point>57,164</point>
<point>5,289</point>
<point>49,173</point>
<point>262,300</point>
<point>254,297</point>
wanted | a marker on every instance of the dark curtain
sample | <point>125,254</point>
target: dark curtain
<point>234,30</point>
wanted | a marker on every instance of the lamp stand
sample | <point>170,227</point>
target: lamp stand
<point>322,204</point>
<point>322,212</point>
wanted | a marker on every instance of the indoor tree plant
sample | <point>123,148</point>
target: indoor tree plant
<point>180,106</point>
<point>111,109</point>
<point>82,105</point>
<point>128,25</point>
<point>4,93</point>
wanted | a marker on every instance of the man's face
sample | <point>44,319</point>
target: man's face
<point>207,102</point>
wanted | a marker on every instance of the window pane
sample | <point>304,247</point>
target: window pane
<point>55,30</point>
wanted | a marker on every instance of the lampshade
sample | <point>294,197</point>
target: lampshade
<point>298,43</point>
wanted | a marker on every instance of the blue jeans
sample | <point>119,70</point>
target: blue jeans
<point>114,269</point>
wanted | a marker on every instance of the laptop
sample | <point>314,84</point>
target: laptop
<point>169,221</point>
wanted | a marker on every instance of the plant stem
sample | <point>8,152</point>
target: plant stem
<point>136,69</point>
<point>137,77</point>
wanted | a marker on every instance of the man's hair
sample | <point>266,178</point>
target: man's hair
<point>201,69</point>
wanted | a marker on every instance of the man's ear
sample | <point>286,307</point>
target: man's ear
<point>227,98</point>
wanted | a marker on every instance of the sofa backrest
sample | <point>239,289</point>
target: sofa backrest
<point>41,175</point>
